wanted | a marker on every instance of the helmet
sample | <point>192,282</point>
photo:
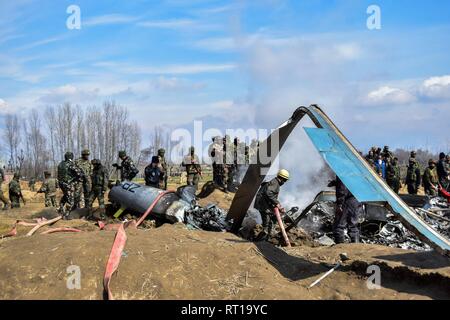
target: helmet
<point>161,151</point>
<point>85,152</point>
<point>122,154</point>
<point>283,174</point>
<point>68,156</point>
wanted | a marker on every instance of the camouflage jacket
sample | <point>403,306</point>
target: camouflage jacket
<point>86,166</point>
<point>49,186</point>
<point>392,172</point>
<point>14,187</point>
<point>100,178</point>
<point>127,169</point>
<point>430,178</point>
<point>413,174</point>
<point>163,163</point>
<point>192,164</point>
<point>69,172</point>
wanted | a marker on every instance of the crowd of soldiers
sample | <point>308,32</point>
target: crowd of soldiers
<point>227,158</point>
<point>85,180</point>
<point>435,176</point>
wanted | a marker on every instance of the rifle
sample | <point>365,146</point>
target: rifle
<point>23,199</point>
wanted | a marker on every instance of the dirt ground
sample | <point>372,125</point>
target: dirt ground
<point>172,262</point>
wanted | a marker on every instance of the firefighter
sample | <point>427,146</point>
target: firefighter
<point>267,200</point>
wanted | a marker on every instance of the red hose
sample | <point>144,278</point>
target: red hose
<point>149,209</point>
<point>114,259</point>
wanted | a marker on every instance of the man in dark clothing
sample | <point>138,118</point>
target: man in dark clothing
<point>443,171</point>
<point>154,174</point>
<point>413,177</point>
<point>393,175</point>
<point>267,200</point>
<point>347,214</point>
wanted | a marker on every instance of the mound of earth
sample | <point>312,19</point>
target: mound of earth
<point>172,262</point>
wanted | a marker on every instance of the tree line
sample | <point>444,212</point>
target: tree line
<point>38,140</point>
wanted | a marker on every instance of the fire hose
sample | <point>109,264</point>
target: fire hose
<point>119,244</point>
<point>280,223</point>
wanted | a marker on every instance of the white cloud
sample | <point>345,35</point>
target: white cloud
<point>184,69</point>
<point>390,96</point>
<point>168,24</point>
<point>41,42</point>
<point>68,93</point>
<point>108,19</point>
<point>436,87</point>
<point>2,103</point>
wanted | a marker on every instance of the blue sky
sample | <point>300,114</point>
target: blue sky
<point>237,63</point>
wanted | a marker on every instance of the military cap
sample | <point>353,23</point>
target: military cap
<point>161,151</point>
<point>85,152</point>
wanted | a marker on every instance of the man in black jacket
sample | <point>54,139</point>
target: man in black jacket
<point>347,213</point>
<point>443,171</point>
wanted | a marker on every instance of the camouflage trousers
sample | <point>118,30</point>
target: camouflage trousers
<point>193,179</point>
<point>412,188</point>
<point>394,184</point>
<point>219,175</point>
<point>15,200</point>
<point>67,202</point>
<point>50,200</point>
<point>99,194</point>
<point>86,188</point>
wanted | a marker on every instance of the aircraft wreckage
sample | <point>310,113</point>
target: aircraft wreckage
<point>342,157</point>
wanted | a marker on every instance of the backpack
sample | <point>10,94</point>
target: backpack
<point>152,175</point>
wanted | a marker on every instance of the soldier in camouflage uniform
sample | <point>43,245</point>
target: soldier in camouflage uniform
<point>49,186</point>
<point>6,203</point>
<point>99,184</point>
<point>413,177</point>
<point>69,175</point>
<point>31,184</point>
<point>84,187</point>
<point>163,163</point>
<point>193,168</point>
<point>127,168</point>
<point>430,179</point>
<point>15,191</point>
<point>216,154</point>
<point>393,175</point>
